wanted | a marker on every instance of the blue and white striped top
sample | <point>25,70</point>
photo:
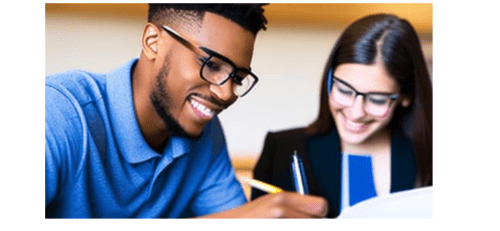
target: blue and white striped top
<point>357,179</point>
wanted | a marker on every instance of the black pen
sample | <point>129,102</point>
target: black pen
<point>299,175</point>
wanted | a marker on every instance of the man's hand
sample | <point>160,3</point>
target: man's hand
<point>279,205</point>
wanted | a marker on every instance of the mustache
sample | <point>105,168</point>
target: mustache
<point>220,103</point>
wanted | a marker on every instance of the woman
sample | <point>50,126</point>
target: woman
<point>373,134</point>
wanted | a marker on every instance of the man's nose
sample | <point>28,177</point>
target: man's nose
<point>224,91</point>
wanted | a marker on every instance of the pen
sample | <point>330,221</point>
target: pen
<point>299,174</point>
<point>260,185</point>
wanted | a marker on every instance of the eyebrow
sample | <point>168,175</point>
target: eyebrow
<point>224,58</point>
<point>195,47</point>
<point>370,92</point>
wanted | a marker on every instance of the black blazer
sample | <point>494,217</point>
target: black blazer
<point>322,162</point>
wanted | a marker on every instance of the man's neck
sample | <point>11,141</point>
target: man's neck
<point>149,122</point>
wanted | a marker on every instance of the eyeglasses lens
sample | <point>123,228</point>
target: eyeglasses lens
<point>243,83</point>
<point>374,104</point>
<point>217,71</point>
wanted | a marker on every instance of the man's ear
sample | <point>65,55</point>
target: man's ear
<point>150,39</point>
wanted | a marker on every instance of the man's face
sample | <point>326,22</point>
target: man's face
<point>186,102</point>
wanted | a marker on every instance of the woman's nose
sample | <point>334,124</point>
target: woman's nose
<point>357,110</point>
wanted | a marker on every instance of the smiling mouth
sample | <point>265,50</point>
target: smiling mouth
<point>201,110</point>
<point>354,127</point>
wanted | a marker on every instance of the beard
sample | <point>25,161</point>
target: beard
<point>162,102</point>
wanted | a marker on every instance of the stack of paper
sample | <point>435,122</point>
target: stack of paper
<point>416,203</point>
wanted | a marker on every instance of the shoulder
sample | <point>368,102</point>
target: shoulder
<point>403,162</point>
<point>80,85</point>
<point>66,95</point>
<point>401,142</point>
<point>294,134</point>
<point>280,144</point>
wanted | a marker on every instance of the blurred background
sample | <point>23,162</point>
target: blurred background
<point>289,58</point>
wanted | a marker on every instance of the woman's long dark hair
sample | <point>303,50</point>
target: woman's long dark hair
<point>399,46</point>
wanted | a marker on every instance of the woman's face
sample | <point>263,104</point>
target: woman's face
<point>354,124</point>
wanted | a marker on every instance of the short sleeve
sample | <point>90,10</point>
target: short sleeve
<point>63,140</point>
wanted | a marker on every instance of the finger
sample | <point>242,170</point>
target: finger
<point>287,205</point>
<point>309,204</point>
<point>288,212</point>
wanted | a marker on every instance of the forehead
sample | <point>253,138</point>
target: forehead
<point>367,78</point>
<point>226,38</point>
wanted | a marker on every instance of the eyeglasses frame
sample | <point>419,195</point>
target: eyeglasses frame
<point>199,50</point>
<point>331,77</point>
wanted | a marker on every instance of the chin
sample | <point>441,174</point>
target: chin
<point>192,132</point>
<point>194,135</point>
<point>353,138</point>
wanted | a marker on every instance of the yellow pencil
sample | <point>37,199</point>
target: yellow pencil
<point>260,185</point>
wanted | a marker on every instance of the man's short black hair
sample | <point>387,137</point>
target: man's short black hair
<point>249,16</point>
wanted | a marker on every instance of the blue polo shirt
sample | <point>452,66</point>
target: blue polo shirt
<point>97,163</point>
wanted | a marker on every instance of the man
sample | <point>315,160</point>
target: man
<point>144,140</point>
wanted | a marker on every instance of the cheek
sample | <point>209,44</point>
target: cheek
<point>175,87</point>
<point>384,120</point>
<point>385,115</point>
<point>182,79</point>
<point>184,70</point>
<point>334,106</point>
<point>185,67</point>
<point>334,111</point>
<point>388,115</point>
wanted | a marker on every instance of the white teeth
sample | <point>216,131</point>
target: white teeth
<point>354,124</point>
<point>200,107</point>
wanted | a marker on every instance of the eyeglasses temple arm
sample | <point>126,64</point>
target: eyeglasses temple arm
<point>181,39</point>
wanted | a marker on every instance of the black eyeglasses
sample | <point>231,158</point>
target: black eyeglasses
<point>376,103</point>
<point>217,69</point>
